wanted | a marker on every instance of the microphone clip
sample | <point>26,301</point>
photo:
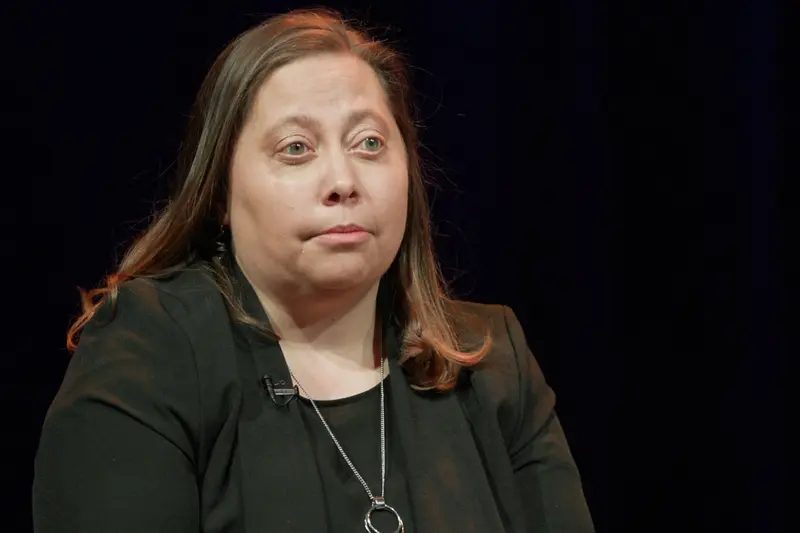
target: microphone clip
<point>280,395</point>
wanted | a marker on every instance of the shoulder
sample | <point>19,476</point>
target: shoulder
<point>187,287</point>
<point>143,339</point>
<point>469,315</point>
<point>474,322</point>
<point>135,361</point>
<point>152,320</point>
<point>509,380</point>
<point>161,300</point>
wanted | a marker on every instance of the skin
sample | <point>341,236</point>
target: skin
<point>340,160</point>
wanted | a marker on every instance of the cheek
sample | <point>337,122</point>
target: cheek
<point>396,205</point>
<point>254,208</point>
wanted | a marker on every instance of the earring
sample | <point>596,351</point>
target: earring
<point>221,248</point>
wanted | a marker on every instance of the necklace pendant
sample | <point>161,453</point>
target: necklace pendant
<point>379,504</point>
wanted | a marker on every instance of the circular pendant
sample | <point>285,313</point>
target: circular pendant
<point>378,504</point>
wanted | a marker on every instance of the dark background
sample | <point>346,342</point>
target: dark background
<point>610,170</point>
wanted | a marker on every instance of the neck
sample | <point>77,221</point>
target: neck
<point>341,325</point>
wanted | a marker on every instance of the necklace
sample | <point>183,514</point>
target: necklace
<point>377,502</point>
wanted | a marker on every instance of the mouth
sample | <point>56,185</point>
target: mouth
<point>344,229</point>
<point>344,234</point>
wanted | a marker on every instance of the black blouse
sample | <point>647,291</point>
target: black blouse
<point>356,423</point>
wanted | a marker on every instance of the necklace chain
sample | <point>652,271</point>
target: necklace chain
<point>339,446</point>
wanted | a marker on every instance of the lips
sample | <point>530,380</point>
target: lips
<point>343,235</point>
<point>344,228</point>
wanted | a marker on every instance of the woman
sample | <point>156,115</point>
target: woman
<point>277,353</point>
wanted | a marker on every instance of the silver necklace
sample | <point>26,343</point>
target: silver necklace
<point>377,502</point>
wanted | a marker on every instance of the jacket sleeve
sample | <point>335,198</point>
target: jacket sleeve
<point>546,475</point>
<point>116,449</point>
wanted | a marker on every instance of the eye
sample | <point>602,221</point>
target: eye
<point>296,149</point>
<point>371,144</point>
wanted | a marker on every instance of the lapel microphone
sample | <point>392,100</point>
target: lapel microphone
<point>279,396</point>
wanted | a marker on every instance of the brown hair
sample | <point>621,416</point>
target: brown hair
<point>185,230</point>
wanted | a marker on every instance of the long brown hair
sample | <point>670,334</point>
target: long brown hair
<point>184,231</point>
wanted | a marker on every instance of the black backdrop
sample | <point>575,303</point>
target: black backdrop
<point>608,169</point>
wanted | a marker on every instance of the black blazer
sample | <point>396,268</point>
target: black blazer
<point>161,425</point>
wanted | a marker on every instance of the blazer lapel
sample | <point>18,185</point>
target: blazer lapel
<point>281,487</point>
<point>447,481</point>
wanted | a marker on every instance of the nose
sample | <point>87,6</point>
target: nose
<point>342,186</point>
<point>341,196</point>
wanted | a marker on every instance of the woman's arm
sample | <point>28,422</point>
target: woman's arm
<point>546,475</point>
<point>117,447</point>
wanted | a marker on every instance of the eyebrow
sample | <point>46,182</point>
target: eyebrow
<point>309,122</point>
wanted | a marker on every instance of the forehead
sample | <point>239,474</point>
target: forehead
<point>324,84</point>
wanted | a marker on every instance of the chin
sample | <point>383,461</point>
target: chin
<point>343,278</point>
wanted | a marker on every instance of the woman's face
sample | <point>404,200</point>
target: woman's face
<point>319,179</point>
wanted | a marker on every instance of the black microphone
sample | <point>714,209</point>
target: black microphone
<point>279,396</point>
